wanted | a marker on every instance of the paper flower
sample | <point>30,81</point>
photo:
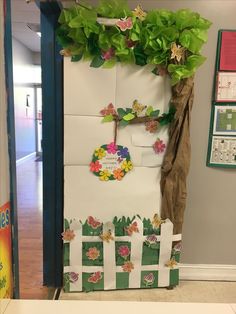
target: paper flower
<point>68,235</point>
<point>177,52</point>
<point>177,248</point>
<point>130,43</point>
<point>100,153</point>
<point>149,279</point>
<point>139,13</point>
<point>95,166</point>
<point>65,52</point>
<point>157,221</point>
<point>159,146</point>
<point>151,126</point>
<point>124,251</point>
<point>107,236</point>
<point>127,166</point>
<point>107,55</point>
<point>112,148</point>
<point>137,108</point>
<point>171,263</point>
<point>123,152</point>
<point>110,109</point>
<point>95,277</point>
<point>133,227</point>
<point>118,174</point>
<point>125,24</point>
<point>127,267</point>
<point>151,239</point>
<point>93,253</point>
<point>73,277</point>
<point>151,242</point>
<point>104,175</point>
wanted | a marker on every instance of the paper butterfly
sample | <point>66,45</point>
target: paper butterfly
<point>132,228</point>
<point>107,236</point>
<point>125,24</point>
<point>93,222</point>
<point>94,278</point>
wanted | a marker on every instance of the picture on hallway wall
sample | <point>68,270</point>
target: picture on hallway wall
<point>225,120</point>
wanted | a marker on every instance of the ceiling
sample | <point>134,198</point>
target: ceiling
<point>23,13</point>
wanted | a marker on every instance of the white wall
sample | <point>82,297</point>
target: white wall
<point>25,73</point>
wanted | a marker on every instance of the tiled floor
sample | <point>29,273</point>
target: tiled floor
<point>29,186</point>
<point>187,291</point>
<point>75,307</point>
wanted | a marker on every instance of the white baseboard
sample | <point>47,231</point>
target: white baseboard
<point>207,272</point>
<point>26,158</point>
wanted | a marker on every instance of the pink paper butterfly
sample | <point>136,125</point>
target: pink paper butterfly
<point>93,222</point>
<point>125,24</point>
<point>95,277</point>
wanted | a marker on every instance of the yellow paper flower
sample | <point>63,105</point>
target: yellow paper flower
<point>171,263</point>
<point>127,165</point>
<point>100,153</point>
<point>137,108</point>
<point>177,52</point>
<point>104,175</point>
<point>139,13</point>
<point>107,236</point>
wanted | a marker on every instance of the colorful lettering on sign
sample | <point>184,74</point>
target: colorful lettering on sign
<point>5,253</point>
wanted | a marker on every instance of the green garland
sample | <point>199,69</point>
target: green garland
<point>171,41</point>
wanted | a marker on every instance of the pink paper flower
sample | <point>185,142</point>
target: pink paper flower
<point>149,279</point>
<point>107,55</point>
<point>125,24</point>
<point>95,166</point>
<point>110,109</point>
<point>95,277</point>
<point>159,146</point>
<point>127,267</point>
<point>73,277</point>
<point>112,148</point>
<point>124,251</point>
<point>68,235</point>
<point>93,253</point>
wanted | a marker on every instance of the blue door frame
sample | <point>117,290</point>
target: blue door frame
<point>11,142</point>
<point>52,98</point>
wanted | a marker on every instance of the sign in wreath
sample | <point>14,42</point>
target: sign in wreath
<point>111,162</point>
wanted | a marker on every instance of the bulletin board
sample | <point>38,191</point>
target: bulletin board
<point>222,135</point>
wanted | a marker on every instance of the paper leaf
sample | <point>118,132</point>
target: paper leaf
<point>121,112</point>
<point>129,110</point>
<point>123,123</point>
<point>149,110</point>
<point>108,118</point>
<point>97,62</point>
<point>129,116</point>
<point>76,58</point>
<point>155,113</point>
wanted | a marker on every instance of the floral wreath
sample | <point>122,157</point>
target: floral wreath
<point>123,160</point>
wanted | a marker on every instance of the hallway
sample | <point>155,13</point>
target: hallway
<point>29,185</point>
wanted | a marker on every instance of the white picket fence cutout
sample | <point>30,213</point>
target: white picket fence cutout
<point>109,268</point>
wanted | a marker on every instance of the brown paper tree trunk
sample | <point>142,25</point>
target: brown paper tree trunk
<point>176,162</point>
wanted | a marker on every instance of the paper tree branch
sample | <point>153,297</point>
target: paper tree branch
<point>176,162</point>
